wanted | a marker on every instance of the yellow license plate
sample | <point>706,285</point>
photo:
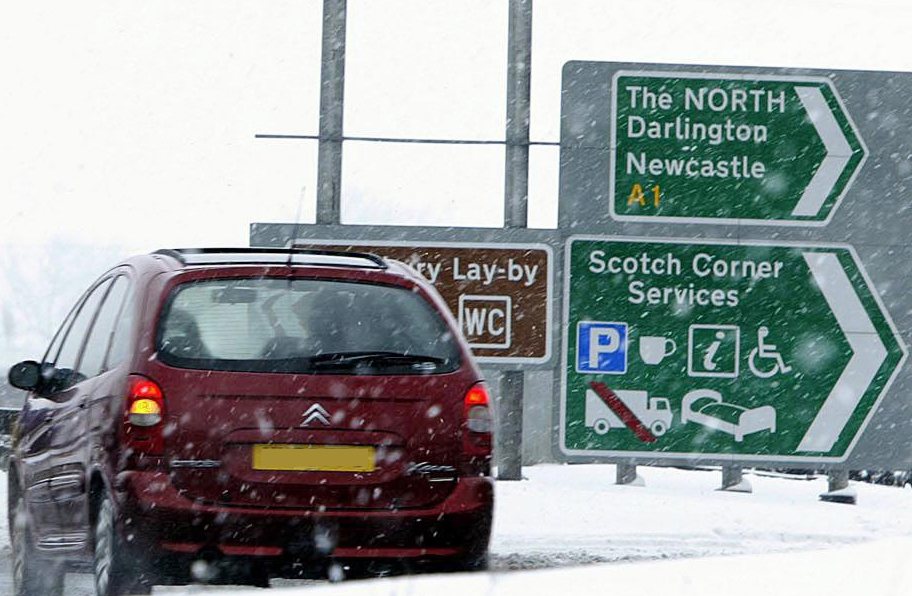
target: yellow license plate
<point>314,458</point>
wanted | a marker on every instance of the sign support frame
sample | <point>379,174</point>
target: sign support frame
<point>516,200</point>
<point>332,94</point>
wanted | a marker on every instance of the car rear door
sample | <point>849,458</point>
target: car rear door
<point>74,438</point>
<point>335,436</point>
<point>298,442</point>
<point>32,428</point>
<point>53,432</point>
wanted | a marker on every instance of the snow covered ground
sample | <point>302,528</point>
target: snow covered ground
<point>571,514</point>
<point>880,568</point>
<point>563,516</point>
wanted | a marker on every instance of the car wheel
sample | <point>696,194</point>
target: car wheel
<point>114,574</point>
<point>32,576</point>
<point>475,555</point>
<point>259,575</point>
<point>472,560</point>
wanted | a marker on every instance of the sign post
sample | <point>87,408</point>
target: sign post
<point>720,351</point>
<point>332,93</point>
<point>516,203</point>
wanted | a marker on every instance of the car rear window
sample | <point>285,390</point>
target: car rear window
<point>307,326</point>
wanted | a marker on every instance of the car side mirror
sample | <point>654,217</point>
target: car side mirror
<point>25,375</point>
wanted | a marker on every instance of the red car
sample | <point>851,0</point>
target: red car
<point>276,409</point>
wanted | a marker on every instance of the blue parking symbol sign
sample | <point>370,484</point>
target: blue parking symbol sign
<point>601,347</point>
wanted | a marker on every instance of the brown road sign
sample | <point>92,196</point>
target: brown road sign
<point>499,293</point>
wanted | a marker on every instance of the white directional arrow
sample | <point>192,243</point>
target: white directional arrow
<point>837,146</point>
<point>868,352</point>
<point>316,412</point>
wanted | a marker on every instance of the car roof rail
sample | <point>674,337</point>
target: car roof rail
<point>294,255</point>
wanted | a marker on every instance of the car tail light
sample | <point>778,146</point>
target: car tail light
<point>478,420</point>
<point>144,415</point>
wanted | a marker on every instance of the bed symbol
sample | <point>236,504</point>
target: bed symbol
<point>706,407</point>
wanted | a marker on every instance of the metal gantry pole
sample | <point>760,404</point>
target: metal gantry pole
<point>519,80</point>
<point>332,89</point>
<point>516,199</point>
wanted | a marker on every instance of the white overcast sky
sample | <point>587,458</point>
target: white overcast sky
<point>127,126</point>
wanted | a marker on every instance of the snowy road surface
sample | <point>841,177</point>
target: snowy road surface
<point>568,515</point>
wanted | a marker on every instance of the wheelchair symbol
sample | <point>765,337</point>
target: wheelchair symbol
<point>765,351</point>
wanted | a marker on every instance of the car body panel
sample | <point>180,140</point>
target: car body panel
<point>68,446</point>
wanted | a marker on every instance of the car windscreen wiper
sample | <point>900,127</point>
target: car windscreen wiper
<point>344,359</point>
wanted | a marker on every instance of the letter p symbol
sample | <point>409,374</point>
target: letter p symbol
<point>601,347</point>
<point>605,340</point>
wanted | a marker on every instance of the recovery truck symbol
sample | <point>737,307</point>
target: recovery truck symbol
<point>654,414</point>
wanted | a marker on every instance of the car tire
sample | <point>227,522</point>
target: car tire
<point>114,573</point>
<point>259,575</point>
<point>32,575</point>
<point>472,560</point>
<point>475,555</point>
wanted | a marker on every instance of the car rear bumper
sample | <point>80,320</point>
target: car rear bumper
<point>156,516</point>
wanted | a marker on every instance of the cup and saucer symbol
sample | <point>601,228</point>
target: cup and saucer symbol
<point>655,348</point>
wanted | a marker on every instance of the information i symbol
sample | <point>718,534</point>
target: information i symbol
<point>713,351</point>
<point>709,362</point>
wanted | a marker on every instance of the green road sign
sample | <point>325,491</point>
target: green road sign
<point>729,148</point>
<point>720,350</point>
